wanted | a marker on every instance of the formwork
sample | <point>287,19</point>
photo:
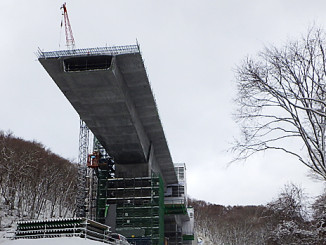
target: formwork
<point>139,207</point>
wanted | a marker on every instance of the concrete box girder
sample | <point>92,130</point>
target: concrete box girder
<point>118,106</point>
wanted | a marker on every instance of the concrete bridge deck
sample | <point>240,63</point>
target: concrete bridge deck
<point>109,89</point>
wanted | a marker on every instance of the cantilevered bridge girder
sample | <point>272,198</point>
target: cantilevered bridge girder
<point>109,89</point>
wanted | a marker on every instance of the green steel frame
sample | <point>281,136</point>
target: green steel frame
<point>188,237</point>
<point>175,209</point>
<point>140,205</point>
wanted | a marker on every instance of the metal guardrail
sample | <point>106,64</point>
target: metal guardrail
<point>83,233</point>
<point>114,50</point>
<point>175,200</point>
<point>112,241</point>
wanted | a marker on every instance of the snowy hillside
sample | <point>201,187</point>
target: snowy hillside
<point>51,241</point>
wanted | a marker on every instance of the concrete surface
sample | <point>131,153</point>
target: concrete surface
<point>118,106</point>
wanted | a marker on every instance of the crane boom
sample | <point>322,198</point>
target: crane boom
<point>70,41</point>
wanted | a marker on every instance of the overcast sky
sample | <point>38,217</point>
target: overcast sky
<point>190,49</point>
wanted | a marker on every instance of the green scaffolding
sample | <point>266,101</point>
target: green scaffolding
<point>175,209</point>
<point>140,205</point>
<point>188,237</point>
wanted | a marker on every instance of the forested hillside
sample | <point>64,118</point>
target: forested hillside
<point>34,182</point>
<point>286,220</point>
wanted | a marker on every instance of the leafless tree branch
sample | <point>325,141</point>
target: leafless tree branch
<point>282,96</point>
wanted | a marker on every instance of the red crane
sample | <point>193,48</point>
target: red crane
<point>70,41</point>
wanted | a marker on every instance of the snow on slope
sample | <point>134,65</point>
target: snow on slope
<point>51,241</point>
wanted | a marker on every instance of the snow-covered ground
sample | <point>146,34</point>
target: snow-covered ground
<point>51,241</point>
<point>202,240</point>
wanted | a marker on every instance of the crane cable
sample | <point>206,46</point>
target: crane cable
<point>61,24</point>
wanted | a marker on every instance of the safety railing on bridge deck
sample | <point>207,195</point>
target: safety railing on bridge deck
<point>175,205</point>
<point>114,50</point>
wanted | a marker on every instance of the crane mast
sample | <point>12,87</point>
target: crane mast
<point>70,41</point>
<point>87,179</point>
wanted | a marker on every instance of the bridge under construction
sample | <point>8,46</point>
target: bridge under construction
<point>127,178</point>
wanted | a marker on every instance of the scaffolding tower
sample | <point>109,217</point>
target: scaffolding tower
<point>82,169</point>
<point>87,177</point>
<point>138,206</point>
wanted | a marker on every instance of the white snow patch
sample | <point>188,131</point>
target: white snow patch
<point>51,241</point>
<point>202,240</point>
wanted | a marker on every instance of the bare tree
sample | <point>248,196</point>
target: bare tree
<point>230,225</point>
<point>319,207</point>
<point>282,102</point>
<point>34,181</point>
<point>290,205</point>
<point>290,221</point>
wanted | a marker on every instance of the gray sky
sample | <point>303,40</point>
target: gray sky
<point>190,49</point>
